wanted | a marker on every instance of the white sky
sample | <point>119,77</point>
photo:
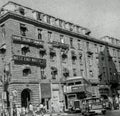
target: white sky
<point>102,17</point>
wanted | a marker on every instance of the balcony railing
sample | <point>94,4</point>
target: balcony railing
<point>24,40</point>
<point>30,60</point>
<point>60,45</point>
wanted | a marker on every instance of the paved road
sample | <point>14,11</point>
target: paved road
<point>109,113</point>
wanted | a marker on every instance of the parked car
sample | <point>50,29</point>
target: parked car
<point>93,106</point>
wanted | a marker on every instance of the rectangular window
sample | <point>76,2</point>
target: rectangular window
<point>23,29</point>
<point>39,34</point>
<point>62,39</point>
<point>88,46</point>
<point>48,19</point>
<point>119,65</point>
<point>96,48</point>
<point>50,39</point>
<point>71,42</point>
<point>74,72</point>
<point>101,48</point>
<point>91,73</point>
<point>79,45</point>
<point>43,74</point>
<point>3,30</point>
<point>90,60</point>
<point>60,23</point>
<point>82,72</point>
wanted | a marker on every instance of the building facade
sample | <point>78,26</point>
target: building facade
<point>38,52</point>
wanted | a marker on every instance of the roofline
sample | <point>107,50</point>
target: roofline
<point>15,16</point>
<point>45,14</point>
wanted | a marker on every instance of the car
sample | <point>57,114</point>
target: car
<point>93,106</point>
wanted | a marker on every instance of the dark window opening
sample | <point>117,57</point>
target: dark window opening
<point>22,11</point>
<point>50,36</point>
<point>65,72</point>
<point>74,72</point>
<point>42,51</point>
<point>3,30</point>
<point>54,72</point>
<point>23,29</point>
<point>3,49</point>
<point>69,84</point>
<point>79,82</point>
<point>71,42</point>
<point>48,19</point>
<point>39,34</point>
<point>43,76</point>
<point>52,53</point>
<point>25,49</point>
<point>26,71</point>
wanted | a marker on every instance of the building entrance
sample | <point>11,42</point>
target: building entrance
<point>25,97</point>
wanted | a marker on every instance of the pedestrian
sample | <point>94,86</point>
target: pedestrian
<point>14,110</point>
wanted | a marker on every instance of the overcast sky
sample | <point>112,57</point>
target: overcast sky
<point>102,17</point>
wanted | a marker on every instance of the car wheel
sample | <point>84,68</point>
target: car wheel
<point>103,112</point>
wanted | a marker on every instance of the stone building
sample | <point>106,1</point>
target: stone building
<point>38,52</point>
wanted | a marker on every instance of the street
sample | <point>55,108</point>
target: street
<point>109,113</point>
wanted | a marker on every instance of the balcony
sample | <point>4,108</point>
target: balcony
<point>24,40</point>
<point>29,60</point>
<point>60,45</point>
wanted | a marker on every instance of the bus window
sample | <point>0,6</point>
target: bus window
<point>69,84</point>
<point>77,83</point>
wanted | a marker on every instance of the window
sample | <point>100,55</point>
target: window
<point>39,34</point>
<point>119,65</point>
<point>3,48</point>
<point>50,36</point>
<point>60,23</point>
<point>43,76</point>
<point>61,38</point>
<point>64,54</point>
<point>96,48</point>
<point>53,72</point>
<point>88,46</point>
<point>40,16</point>
<point>65,72</point>
<point>79,45</point>
<point>79,82</point>
<point>26,71</point>
<point>90,60</point>
<point>101,48</point>
<point>80,58</point>
<point>69,84</point>
<point>42,51</point>
<point>52,54</point>
<point>25,49</point>
<point>22,11</point>
<point>74,57</point>
<point>82,72</point>
<point>3,30</point>
<point>71,42</point>
<point>48,19</point>
<point>23,29</point>
<point>91,73</point>
<point>74,72</point>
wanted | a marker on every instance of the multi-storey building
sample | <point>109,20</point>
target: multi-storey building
<point>38,52</point>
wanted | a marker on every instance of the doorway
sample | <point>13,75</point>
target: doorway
<point>25,97</point>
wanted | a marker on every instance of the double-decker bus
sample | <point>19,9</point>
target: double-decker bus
<point>75,89</point>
